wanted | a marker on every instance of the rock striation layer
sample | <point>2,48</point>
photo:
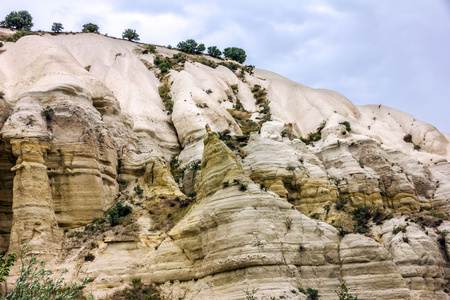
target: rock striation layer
<point>241,182</point>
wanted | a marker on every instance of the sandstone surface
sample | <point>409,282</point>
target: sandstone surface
<point>242,182</point>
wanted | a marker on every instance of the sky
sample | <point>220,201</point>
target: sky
<point>390,52</point>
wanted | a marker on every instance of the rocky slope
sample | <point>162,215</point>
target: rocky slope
<point>241,181</point>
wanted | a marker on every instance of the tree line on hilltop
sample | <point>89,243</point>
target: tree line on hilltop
<point>23,21</point>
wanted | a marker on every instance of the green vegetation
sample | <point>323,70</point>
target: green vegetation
<point>214,51</point>
<point>116,214</point>
<point>314,136</point>
<point>190,46</point>
<point>5,265</point>
<point>347,125</point>
<point>20,20</point>
<point>408,138</point>
<point>361,215</point>
<point>36,283</point>
<point>236,54</point>
<point>90,27</point>
<point>312,294</point>
<point>260,95</point>
<point>288,223</point>
<point>343,294</point>
<point>166,96</point>
<point>47,113</point>
<point>2,94</point>
<point>139,191</point>
<point>138,291</point>
<point>57,27</point>
<point>398,229</point>
<point>151,49</point>
<point>250,294</point>
<point>130,34</point>
<point>416,147</point>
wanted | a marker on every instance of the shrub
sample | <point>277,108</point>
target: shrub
<point>288,223</point>
<point>130,34</point>
<point>312,294</point>
<point>166,96</point>
<point>47,113</point>
<point>138,291</point>
<point>35,282</point>
<point>190,46</point>
<point>139,191</point>
<point>361,215</point>
<point>343,294</point>
<point>90,27</point>
<point>347,125</point>
<point>151,49</point>
<point>340,203</point>
<point>194,165</point>
<point>18,20</point>
<point>416,147</point>
<point>214,51</point>
<point>2,94</point>
<point>57,27</point>
<point>236,54</point>
<point>397,229</point>
<point>5,265</point>
<point>119,211</point>
<point>242,187</point>
<point>290,168</point>
<point>314,136</point>
<point>408,138</point>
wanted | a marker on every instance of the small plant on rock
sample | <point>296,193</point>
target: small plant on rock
<point>288,223</point>
<point>347,125</point>
<point>408,138</point>
<point>343,294</point>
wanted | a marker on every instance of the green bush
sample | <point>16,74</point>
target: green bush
<point>190,46</point>
<point>236,54</point>
<point>312,294</point>
<point>151,49</point>
<point>347,125</point>
<point>343,294</point>
<point>214,51</point>
<point>90,27</point>
<point>57,27</point>
<point>408,138</point>
<point>119,211</point>
<point>37,283</point>
<point>166,96</point>
<point>18,20</point>
<point>130,34</point>
<point>5,264</point>
<point>416,147</point>
<point>139,191</point>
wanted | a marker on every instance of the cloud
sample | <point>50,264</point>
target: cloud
<point>393,53</point>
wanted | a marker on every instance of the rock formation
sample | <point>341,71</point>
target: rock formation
<point>286,187</point>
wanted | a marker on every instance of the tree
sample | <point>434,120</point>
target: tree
<point>191,47</point>
<point>57,27</point>
<point>236,54</point>
<point>130,34</point>
<point>18,20</point>
<point>89,27</point>
<point>214,51</point>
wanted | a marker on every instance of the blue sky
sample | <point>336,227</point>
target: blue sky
<point>390,52</point>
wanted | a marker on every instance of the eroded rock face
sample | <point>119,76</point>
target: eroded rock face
<point>85,127</point>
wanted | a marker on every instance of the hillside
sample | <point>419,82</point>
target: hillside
<point>239,179</point>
